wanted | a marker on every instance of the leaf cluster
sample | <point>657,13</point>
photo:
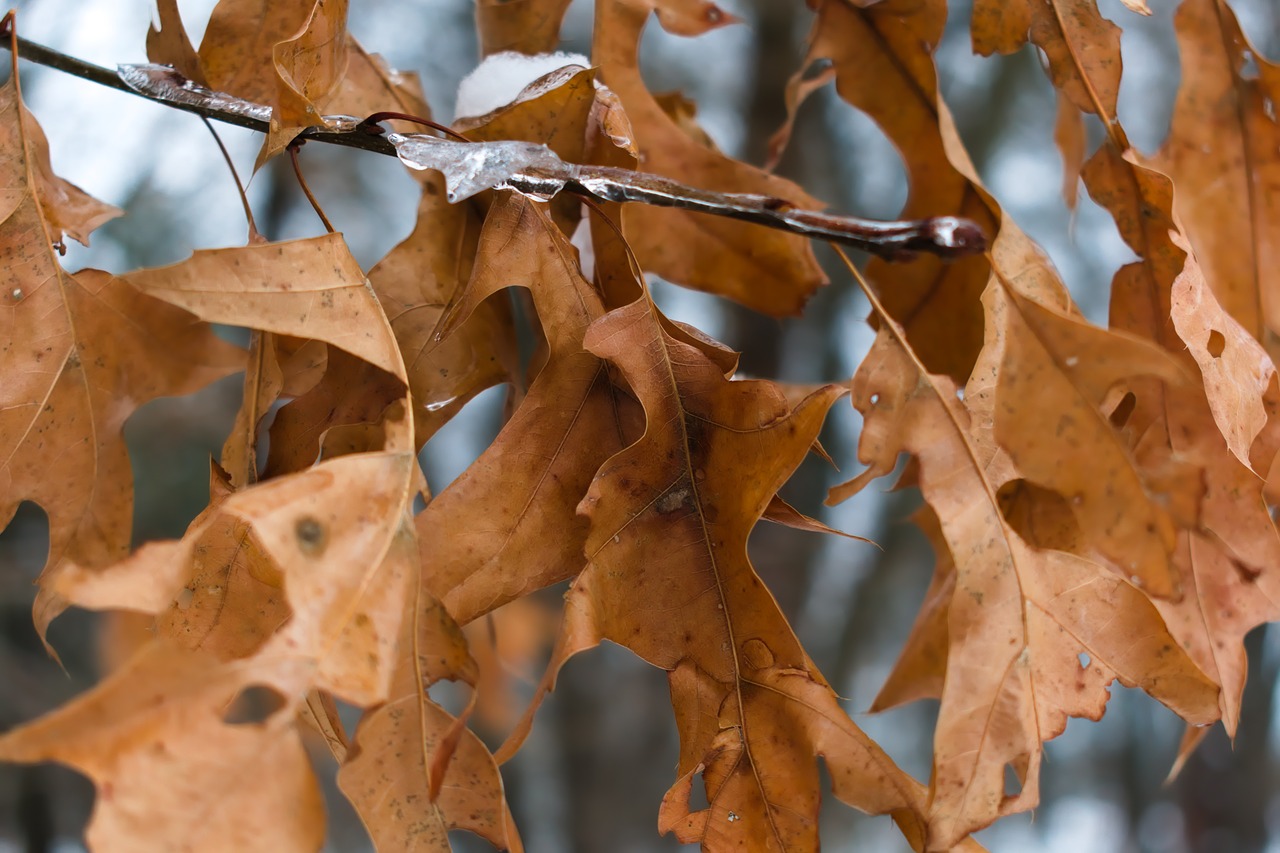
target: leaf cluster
<point>1098,497</point>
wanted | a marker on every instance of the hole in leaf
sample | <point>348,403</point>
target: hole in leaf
<point>1217,343</point>
<point>1084,659</point>
<point>252,706</point>
<point>698,799</point>
<point>1012,781</point>
<point>875,398</point>
<point>1123,410</point>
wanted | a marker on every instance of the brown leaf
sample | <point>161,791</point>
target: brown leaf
<point>1225,560</point>
<point>309,288</point>
<point>1055,374</point>
<point>351,393</point>
<point>387,774</point>
<point>529,481</point>
<point>237,52</point>
<point>524,26</point>
<point>1239,377</point>
<point>1083,48</point>
<point>882,57</point>
<point>699,251</point>
<point>670,516</point>
<point>154,740</point>
<point>82,353</point>
<point>169,45</point>
<point>1223,151</point>
<point>1018,619</point>
<point>310,64</point>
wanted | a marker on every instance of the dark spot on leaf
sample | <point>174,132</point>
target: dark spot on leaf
<point>311,536</point>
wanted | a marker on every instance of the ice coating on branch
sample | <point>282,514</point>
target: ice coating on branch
<point>166,84</point>
<point>501,78</point>
<point>470,168</point>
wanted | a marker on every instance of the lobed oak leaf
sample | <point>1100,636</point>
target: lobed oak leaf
<point>669,520</point>
<point>1004,621</point>
<point>310,288</point>
<point>1223,151</point>
<point>1225,559</point>
<point>155,740</point>
<point>774,273</point>
<point>881,57</point>
<point>523,26</point>
<point>1082,47</point>
<point>81,353</point>
<point>399,747</point>
<point>527,484</point>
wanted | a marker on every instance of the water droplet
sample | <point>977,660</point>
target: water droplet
<point>437,405</point>
<point>17,294</point>
<point>1072,361</point>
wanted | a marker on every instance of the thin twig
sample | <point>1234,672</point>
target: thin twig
<point>302,182</point>
<point>235,176</point>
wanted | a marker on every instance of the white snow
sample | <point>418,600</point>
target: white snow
<point>499,79</point>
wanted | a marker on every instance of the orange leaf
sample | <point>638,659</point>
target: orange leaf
<point>82,353</point>
<point>704,252</point>
<point>527,484</point>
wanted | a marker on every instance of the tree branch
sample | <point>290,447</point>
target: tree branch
<point>531,168</point>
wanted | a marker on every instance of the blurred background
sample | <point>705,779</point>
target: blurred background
<point>604,747</point>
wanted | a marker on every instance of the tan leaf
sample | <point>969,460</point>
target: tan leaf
<point>154,739</point>
<point>524,26</point>
<point>309,288</point>
<point>1083,48</point>
<point>704,252</point>
<point>82,352</point>
<point>386,776</point>
<point>1223,151</point>
<point>882,58</point>
<point>670,516</point>
<point>169,45</point>
<point>1055,375</point>
<point>529,481</point>
<point>1017,621</point>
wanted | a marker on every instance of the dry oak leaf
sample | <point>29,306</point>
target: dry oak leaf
<point>331,536</point>
<point>769,271</point>
<point>170,45</point>
<point>1018,618</point>
<point>1055,374</point>
<point>1082,47</point>
<point>1165,296</point>
<point>668,578</point>
<point>507,526</point>
<point>80,354</point>
<point>523,26</point>
<point>1223,152</point>
<point>1226,560</point>
<point>882,57</point>
<point>414,283</point>
<point>154,739</point>
<point>311,288</point>
<point>402,744</point>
